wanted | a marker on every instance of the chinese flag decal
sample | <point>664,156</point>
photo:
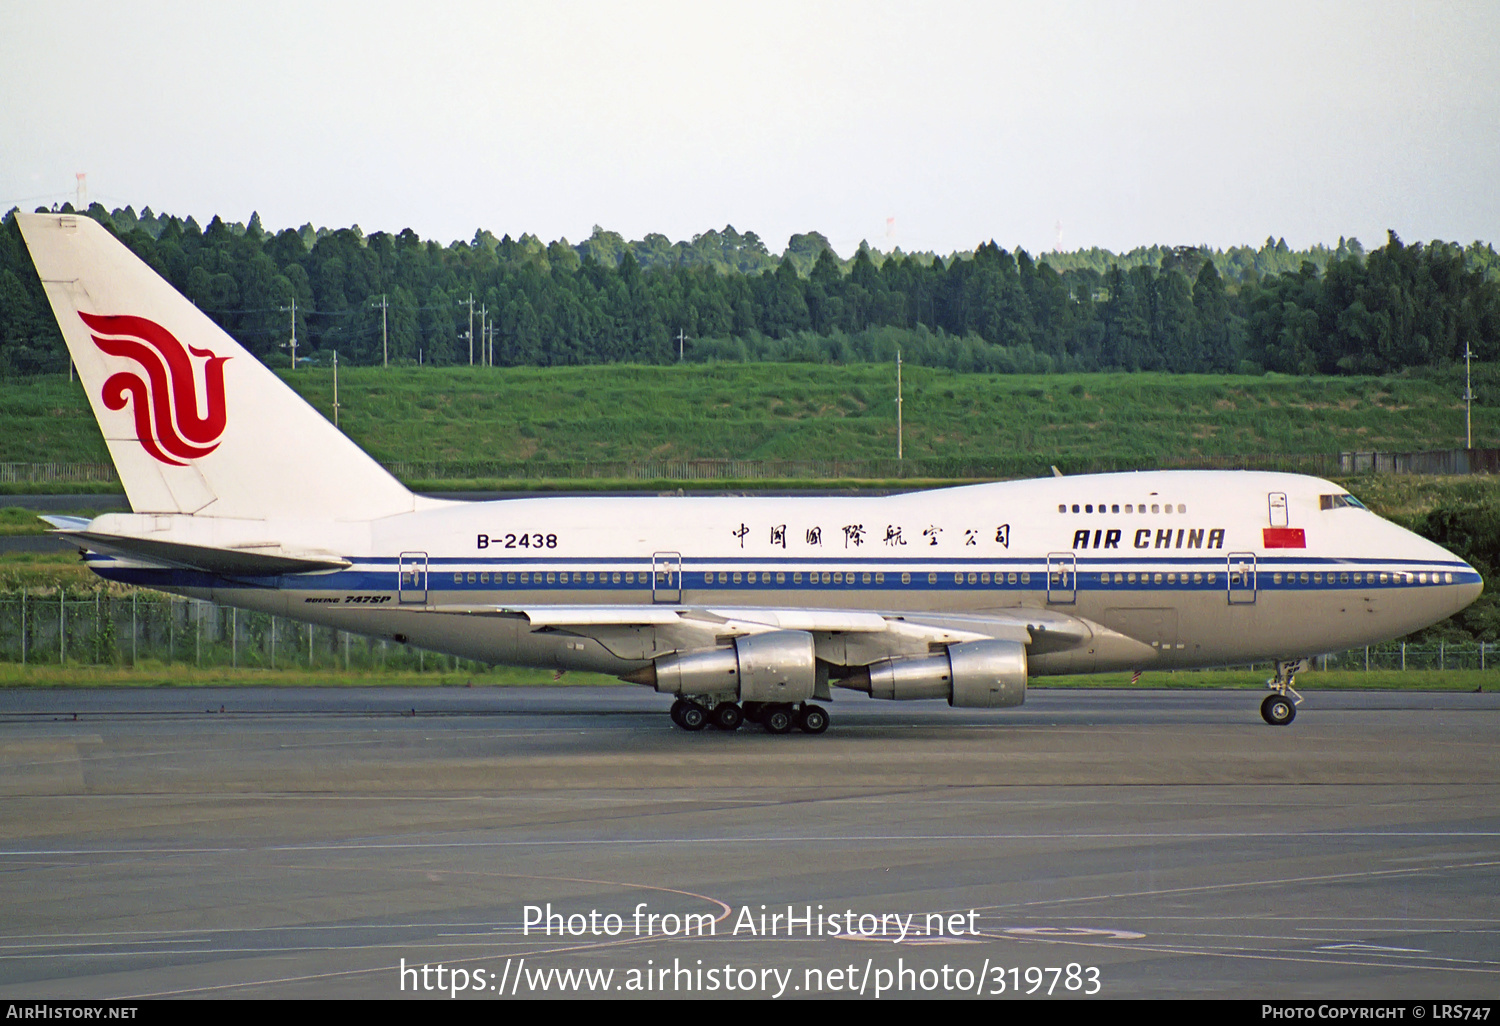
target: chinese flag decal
<point>1284,538</point>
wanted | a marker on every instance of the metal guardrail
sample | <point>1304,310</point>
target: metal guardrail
<point>1442,461</point>
<point>1432,461</point>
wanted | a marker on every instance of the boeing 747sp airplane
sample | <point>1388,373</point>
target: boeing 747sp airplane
<point>740,607</point>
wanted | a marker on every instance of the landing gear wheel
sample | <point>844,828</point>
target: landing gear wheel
<point>1278,710</point>
<point>676,712</point>
<point>727,716</point>
<point>777,719</point>
<point>812,719</point>
<point>692,717</point>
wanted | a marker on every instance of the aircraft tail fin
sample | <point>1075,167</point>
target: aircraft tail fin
<point>194,423</point>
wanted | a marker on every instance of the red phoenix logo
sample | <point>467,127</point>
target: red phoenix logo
<point>165,401</point>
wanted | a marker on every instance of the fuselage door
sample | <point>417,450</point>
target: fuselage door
<point>1062,577</point>
<point>1241,568</point>
<point>666,577</point>
<point>411,578</point>
<point>1277,502</point>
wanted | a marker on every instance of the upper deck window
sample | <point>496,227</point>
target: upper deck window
<point>1339,502</point>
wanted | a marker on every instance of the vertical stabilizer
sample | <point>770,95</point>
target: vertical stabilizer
<point>194,423</point>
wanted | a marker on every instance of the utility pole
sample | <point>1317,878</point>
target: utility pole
<point>483,313</point>
<point>681,338</point>
<point>293,342</point>
<point>471,329</point>
<point>1468,400</point>
<point>900,449</point>
<point>385,350</point>
<point>335,391</point>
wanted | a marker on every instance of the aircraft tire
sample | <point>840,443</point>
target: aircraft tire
<point>1278,710</point>
<point>777,719</point>
<point>812,719</point>
<point>727,716</point>
<point>753,711</point>
<point>676,712</point>
<point>692,717</point>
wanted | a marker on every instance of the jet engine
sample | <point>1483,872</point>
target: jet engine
<point>973,674</point>
<point>778,666</point>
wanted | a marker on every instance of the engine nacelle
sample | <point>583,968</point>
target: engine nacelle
<point>974,674</point>
<point>778,666</point>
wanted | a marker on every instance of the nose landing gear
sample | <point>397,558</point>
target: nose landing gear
<point>1280,708</point>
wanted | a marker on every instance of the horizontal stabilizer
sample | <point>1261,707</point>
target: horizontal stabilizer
<point>258,561</point>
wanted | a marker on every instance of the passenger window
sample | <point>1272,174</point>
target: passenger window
<point>958,578</point>
<point>973,579</point>
<point>1181,507</point>
<point>1130,578</point>
<point>1197,578</point>
<point>1154,507</point>
<point>737,578</point>
<point>1276,578</point>
<point>797,578</point>
<point>1317,578</point>
<point>630,578</point>
<point>1088,509</point>
<point>563,578</point>
<point>1025,578</point>
<point>1075,507</point>
<point>879,577</point>
<point>1010,578</point>
<point>1343,578</point>
<point>932,578</point>
<point>985,578</point>
<point>1447,578</point>
<point>1212,578</point>
<point>510,578</point>
<point>1157,580</point>
<point>591,578</point>
<point>551,578</point>
<point>1129,508</point>
<point>1171,578</point>
<point>458,578</point>
<point>780,578</point>
<point>906,578</point>
<point>1062,507</point>
<point>1115,508</point>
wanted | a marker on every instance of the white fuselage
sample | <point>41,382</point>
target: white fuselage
<point>1204,568</point>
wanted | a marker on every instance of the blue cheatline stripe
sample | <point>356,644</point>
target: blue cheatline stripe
<point>358,580</point>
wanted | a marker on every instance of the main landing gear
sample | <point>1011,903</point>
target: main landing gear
<point>775,717</point>
<point>1280,708</point>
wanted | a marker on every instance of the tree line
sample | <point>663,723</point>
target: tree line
<point>724,296</point>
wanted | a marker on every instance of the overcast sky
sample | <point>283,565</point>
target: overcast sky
<point>1112,124</point>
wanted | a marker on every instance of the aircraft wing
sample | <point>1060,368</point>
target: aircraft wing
<point>842,637</point>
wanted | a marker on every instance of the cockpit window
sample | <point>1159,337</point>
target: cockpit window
<point>1339,502</point>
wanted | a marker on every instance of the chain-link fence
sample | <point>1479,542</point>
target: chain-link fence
<point>96,628</point>
<point>51,628</point>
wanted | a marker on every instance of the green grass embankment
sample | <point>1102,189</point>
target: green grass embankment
<point>823,412</point>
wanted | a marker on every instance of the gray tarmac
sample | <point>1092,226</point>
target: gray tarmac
<point>310,842</point>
